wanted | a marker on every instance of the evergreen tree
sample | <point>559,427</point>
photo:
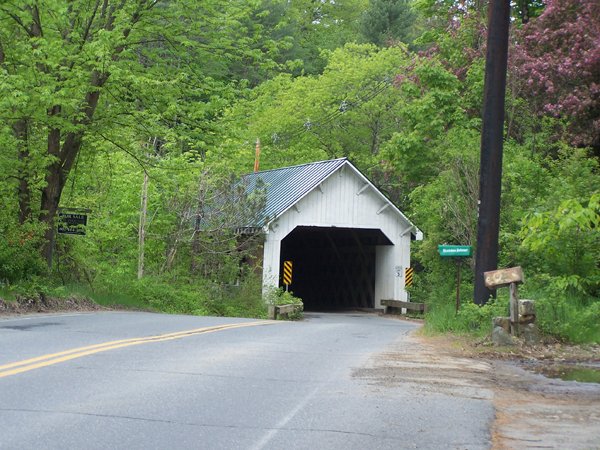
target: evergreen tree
<point>388,21</point>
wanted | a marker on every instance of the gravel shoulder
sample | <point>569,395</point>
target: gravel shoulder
<point>532,411</point>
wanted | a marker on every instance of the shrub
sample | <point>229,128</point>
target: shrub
<point>569,317</point>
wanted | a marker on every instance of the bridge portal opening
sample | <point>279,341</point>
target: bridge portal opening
<point>333,268</point>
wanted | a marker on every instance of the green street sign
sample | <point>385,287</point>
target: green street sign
<point>455,250</point>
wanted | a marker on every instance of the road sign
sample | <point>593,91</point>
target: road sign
<point>408,276</point>
<point>72,223</point>
<point>455,250</point>
<point>287,273</point>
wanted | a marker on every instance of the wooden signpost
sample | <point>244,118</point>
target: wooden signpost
<point>511,278</point>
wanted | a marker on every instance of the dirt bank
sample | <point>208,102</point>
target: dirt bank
<point>44,304</point>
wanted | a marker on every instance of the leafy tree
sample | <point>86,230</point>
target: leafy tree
<point>557,61</point>
<point>324,25</point>
<point>303,29</point>
<point>432,107</point>
<point>559,233</point>
<point>386,109</point>
<point>76,73</point>
<point>563,238</point>
<point>349,110</point>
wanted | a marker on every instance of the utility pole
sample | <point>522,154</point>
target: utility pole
<point>257,156</point>
<point>492,134</point>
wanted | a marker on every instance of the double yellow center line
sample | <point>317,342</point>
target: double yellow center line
<point>67,355</point>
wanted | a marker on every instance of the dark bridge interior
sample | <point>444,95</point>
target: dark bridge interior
<point>333,268</point>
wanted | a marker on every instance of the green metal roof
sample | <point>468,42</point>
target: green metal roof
<point>287,185</point>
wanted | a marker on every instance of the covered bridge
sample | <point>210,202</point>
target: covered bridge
<point>348,244</point>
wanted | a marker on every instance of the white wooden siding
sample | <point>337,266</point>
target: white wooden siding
<point>335,203</point>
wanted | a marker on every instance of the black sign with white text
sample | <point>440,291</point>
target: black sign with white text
<point>72,223</point>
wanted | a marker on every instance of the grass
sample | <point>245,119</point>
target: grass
<point>195,297</point>
<point>184,296</point>
<point>470,319</point>
<point>110,299</point>
<point>7,294</point>
<point>567,318</point>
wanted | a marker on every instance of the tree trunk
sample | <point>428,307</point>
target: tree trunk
<point>21,132</point>
<point>197,222</point>
<point>50,200</point>
<point>142,228</point>
<point>58,172</point>
<point>56,178</point>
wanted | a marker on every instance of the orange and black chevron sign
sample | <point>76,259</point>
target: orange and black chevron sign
<point>408,276</point>
<point>287,273</point>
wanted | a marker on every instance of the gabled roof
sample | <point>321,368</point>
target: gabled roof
<point>286,186</point>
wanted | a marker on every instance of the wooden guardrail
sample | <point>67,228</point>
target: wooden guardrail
<point>282,311</point>
<point>409,306</point>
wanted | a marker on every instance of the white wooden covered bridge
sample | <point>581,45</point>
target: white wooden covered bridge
<point>348,244</point>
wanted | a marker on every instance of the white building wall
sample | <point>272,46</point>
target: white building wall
<point>343,201</point>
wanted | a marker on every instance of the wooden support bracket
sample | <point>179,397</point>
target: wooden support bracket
<point>383,208</point>
<point>363,189</point>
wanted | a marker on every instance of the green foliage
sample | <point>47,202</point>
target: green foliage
<point>110,296</point>
<point>348,110</point>
<point>282,297</point>
<point>572,317</point>
<point>480,317</point>
<point>19,255</point>
<point>310,29</point>
<point>558,236</point>
<point>562,239</point>
<point>77,79</point>
<point>156,293</point>
<point>33,287</point>
<point>471,318</point>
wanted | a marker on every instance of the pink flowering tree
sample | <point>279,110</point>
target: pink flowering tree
<point>557,62</point>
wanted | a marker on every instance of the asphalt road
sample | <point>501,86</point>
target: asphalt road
<point>147,381</point>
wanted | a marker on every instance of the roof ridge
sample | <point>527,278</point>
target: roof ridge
<point>297,165</point>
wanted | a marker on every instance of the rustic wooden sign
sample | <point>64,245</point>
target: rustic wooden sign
<point>503,277</point>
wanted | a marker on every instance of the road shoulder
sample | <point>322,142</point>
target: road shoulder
<point>532,411</point>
